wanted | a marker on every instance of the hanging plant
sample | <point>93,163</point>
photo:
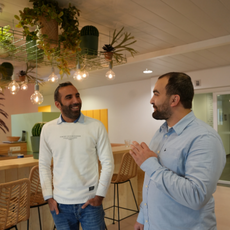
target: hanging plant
<point>121,41</point>
<point>29,74</point>
<point>66,18</point>
<point>3,126</point>
<point>6,42</point>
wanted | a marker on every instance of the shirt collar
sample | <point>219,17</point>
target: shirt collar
<point>80,119</point>
<point>180,125</point>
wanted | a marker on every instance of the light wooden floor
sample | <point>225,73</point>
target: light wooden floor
<point>222,209</point>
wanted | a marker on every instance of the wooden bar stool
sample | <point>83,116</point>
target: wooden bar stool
<point>127,170</point>
<point>36,197</point>
<point>14,203</point>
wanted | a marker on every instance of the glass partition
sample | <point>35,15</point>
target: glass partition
<point>219,119</point>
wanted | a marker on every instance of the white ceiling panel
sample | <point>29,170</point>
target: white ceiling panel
<point>172,35</point>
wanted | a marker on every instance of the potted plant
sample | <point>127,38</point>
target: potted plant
<point>3,126</point>
<point>44,11</point>
<point>35,138</point>
<point>89,40</point>
<point>6,42</point>
<point>28,73</point>
<point>6,71</point>
<point>120,42</point>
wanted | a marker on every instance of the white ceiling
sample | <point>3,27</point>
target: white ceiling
<point>172,35</point>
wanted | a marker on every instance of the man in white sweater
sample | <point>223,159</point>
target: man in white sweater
<point>75,143</point>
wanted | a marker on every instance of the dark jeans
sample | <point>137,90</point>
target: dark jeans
<point>91,218</point>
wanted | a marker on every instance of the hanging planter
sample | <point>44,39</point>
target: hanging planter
<point>22,75</point>
<point>89,40</point>
<point>123,40</point>
<point>108,56</point>
<point>50,29</point>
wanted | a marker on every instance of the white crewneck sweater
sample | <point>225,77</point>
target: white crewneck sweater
<point>75,149</point>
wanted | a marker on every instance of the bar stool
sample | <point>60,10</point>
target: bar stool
<point>127,170</point>
<point>36,197</point>
<point>14,203</point>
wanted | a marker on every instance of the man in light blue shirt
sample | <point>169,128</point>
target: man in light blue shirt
<point>182,163</point>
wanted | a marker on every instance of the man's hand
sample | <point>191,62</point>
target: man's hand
<point>138,226</point>
<point>96,201</point>
<point>53,205</point>
<point>141,152</point>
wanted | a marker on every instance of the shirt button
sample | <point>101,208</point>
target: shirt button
<point>158,151</point>
<point>146,186</point>
<point>166,135</point>
<point>145,204</point>
<point>146,221</point>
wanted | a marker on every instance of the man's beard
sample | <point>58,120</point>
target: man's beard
<point>162,112</point>
<point>68,112</point>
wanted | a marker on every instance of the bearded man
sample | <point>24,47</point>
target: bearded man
<point>75,143</point>
<point>182,164</point>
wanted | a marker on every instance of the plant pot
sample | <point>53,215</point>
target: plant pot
<point>50,28</point>
<point>8,71</point>
<point>108,56</point>
<point>89,40</point>
<point>22,78</point>
<point>33,52</point>
<point>35,155</point>
<point>35,141</point>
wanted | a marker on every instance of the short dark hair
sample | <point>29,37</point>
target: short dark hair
<point>56,92</point>
<point>181,84</point>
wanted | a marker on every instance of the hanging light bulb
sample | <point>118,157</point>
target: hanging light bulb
<point>110,74</point>
<point>85,74</point>
<point>53,77</point>
<point>78,75</point>
<point>13,86</point>
<point>36,97</point>
<point>24,85</point>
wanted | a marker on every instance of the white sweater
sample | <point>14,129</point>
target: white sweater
<point>75,149</point>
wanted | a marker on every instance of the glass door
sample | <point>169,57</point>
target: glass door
<point>221,123</point>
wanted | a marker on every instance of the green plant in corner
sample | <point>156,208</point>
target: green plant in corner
<point>120,42</point>
<point>3,126</point>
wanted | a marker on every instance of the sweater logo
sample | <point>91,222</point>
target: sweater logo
<point>91,188</point>
<point>70,137</point>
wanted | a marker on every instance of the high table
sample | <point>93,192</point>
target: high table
<point>14,169</point>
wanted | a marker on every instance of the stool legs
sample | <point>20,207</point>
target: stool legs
<point>133,195</point>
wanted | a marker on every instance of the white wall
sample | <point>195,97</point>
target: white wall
<point>129,109</point>
<point>128,104</point>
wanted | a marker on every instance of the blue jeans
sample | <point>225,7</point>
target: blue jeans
<point>91,218</point>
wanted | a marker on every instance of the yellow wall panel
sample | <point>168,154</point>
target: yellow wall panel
<point>90,113</point>
<point>46,108</point>
<point>99,114</point>
<point>104,118</point>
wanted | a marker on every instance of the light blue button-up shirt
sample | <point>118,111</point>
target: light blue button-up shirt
<point>178,185</point>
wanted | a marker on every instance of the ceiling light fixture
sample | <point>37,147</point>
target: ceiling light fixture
<point>110,74</point>
<point>78,75</point>
<point>24,85</point>
<point>36,97</point>
<point>13,86</point>
<point>147,71</point>
<point>53,77</point>
<point>85,74</point>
